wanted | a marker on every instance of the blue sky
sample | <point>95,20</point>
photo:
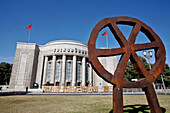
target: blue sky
<point>74,20</point>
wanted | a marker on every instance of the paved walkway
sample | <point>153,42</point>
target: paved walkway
<point>23,93</point>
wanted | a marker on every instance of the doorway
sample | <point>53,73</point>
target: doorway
<point>68,83</point>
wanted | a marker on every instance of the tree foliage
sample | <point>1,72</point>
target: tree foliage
<point>5,72</point>
<point>131,73</point>
<point>166,76</point>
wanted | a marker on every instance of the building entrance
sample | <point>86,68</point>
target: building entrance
<point>68,83</point>
<point>79,83</point>
<point>57,83</point>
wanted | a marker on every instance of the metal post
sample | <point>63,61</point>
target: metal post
<point>149,63</point>
<point>150,69</point>
<point>29,36</point>
<point>107,42</point>
<point>163,83</point>
<point>148,57</point>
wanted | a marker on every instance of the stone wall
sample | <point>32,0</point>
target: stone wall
<point>23,73</point>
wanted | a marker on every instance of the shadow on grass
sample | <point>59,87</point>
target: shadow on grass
<point>138,108</point>
<point>13,93</point>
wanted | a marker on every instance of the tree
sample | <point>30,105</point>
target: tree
<point>165,75</point>
<point>5,72</point>
<point>131,73</point>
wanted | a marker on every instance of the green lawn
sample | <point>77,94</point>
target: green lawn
<point>76,104</point>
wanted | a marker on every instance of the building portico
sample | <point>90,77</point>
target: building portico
<point>58,63</point>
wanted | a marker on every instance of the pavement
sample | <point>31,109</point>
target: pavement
<point>38,93</point>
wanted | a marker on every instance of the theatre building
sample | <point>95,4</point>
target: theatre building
<point>58,63</point>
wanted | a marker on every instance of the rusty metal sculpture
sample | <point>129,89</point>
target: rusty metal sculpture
<point>128,50</point>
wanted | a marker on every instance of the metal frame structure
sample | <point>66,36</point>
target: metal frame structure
<point>127,51</point>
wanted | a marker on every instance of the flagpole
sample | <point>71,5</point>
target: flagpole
<point>29,36</point>
<point>107,42</point>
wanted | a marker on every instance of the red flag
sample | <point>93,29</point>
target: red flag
<point>105,33</point>
<point>29,27</point>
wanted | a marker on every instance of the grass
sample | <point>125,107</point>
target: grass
<point>75,104</point>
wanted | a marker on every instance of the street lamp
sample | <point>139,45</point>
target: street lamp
<point>148,57</point>
<point>144,53</point>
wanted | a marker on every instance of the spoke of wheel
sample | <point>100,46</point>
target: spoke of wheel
<point>134,33</point>
<point>109,52</point>
<point>135,65</point>
<point>146,46</point>
<point>121,67</point>
<point>118,35</point>
<point>140,65</point>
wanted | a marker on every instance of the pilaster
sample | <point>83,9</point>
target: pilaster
<point>53,69</point>
<point>90,75</point>
<point>62,83</point>
<point>45,69</point>
<point>83,71</point>
<point>74,71</point>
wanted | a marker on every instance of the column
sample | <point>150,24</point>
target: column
<point>40,67</point>
<point>83,71</point>
<point>53,69</point>
<point>45,69</point>
<point>74,71</point>
<point>90,75</point>
<point>62,83</point>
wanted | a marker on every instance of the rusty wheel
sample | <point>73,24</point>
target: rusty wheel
<point>128,51</point>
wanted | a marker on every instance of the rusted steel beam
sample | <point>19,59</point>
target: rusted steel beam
<point>128,51</point>
<point>152,99</point>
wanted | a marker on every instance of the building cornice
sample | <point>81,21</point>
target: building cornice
<point>66,42</point>
<point>57,42</point>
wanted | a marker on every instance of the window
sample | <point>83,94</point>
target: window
<point>58,70</point>
<point>79,71</point>
<point>68,74</point>
<point>87,72</point>
<point>49,71</point>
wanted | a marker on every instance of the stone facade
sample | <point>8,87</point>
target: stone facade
<point>58,63</point>
<point>24,66</point>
